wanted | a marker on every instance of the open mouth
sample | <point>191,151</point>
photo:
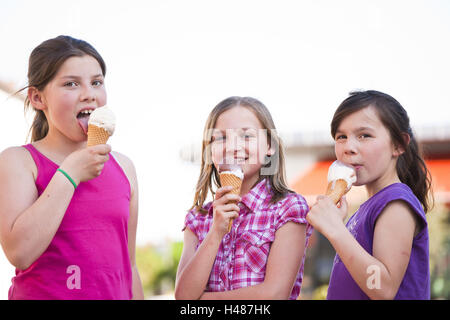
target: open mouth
<point>234,160</point>
<point>83,119</point>
<point>241,160</point>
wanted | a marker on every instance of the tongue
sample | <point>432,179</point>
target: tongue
<point>83,122</point>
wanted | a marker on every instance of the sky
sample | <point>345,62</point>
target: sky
<point>170,62</point>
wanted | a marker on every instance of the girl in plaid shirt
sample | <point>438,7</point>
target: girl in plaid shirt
<point>262,257</point>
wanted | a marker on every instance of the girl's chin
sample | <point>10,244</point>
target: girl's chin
<point>359,182</point>
<point>251,170</point>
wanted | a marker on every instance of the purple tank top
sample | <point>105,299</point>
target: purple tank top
<point>88,256</point>
<point>416,281</point>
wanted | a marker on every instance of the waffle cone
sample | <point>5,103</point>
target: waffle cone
<point>336,192</point>
<point>96,135</point>
<point>227,179</point>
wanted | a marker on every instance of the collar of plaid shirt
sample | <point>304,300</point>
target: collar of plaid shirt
<point>255,198</point>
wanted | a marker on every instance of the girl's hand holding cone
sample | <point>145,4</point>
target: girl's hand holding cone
<point>225,208</point>
<point>326,217</point>
<point>86,164</point>
<point>231,174</point>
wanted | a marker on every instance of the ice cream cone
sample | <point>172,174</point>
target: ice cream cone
<point>101,126</point>
<point>96,135</point>
<point>340,179</point>
<point>336,189</point>
<point>229,179</point>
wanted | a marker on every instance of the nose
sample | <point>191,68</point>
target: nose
<point>87,93</point>
<point>235,143</point>
<point>350,146</point>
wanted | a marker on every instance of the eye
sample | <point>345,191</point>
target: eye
<point>340,137</point>
<point>70,84</point>
<point>248,134</point>
<point>217,138</point>
<point>97,83</point>
<point>364,136</point>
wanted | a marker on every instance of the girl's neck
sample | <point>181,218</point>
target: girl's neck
<point>57,147</point>
<point>248,184</point>
<point>382,182</point>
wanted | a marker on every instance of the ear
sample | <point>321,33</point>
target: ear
<point>36,98</point>
<point>399,150</point>
<point>270,152</point>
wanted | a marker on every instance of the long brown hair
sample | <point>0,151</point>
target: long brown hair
<point>411,167</point>
<point>209,174</point>
<point>45,61</point>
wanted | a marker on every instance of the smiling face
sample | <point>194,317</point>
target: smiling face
<point>77,87</point>
<point>239,137</point>
<point>364,142</point>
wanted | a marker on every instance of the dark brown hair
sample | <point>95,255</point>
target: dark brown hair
<point>411,168</point>
<point>45,61</point>
<point>209,174</point>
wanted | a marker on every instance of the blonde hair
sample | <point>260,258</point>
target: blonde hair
<point>209,174</point>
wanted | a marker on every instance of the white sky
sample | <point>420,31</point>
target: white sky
<point>170,62</point>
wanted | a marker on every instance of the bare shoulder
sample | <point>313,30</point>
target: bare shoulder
<point>399,216</point>
<point>13,153</point>
<point>17,188</point>
<point>397,209</point>
<point>17,158</point>
<point>124,161</point>
<point>127,166</point>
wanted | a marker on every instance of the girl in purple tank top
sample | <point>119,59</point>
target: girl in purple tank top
<point>68,213</point>
<point>383,251</point>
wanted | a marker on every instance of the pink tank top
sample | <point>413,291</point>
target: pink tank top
<point>88,256</point>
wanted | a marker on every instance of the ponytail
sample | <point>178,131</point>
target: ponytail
<point>39,127</point>
<point>412,171</point>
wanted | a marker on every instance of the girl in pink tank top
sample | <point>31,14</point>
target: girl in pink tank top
<point>68,212</point>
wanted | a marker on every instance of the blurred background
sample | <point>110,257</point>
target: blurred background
<point>170,62</point>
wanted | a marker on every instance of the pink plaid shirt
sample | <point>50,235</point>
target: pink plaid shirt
<point>242,256</point>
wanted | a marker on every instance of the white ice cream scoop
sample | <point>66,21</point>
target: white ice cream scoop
<point>339,170</point>
<point>103,118</point>
<point>340,179</point>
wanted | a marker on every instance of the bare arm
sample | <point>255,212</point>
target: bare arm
<point>28,223</point>
<point>283,264</point>
<point>393,236</point>
<point>195,265</point>
<point>130,171</point>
